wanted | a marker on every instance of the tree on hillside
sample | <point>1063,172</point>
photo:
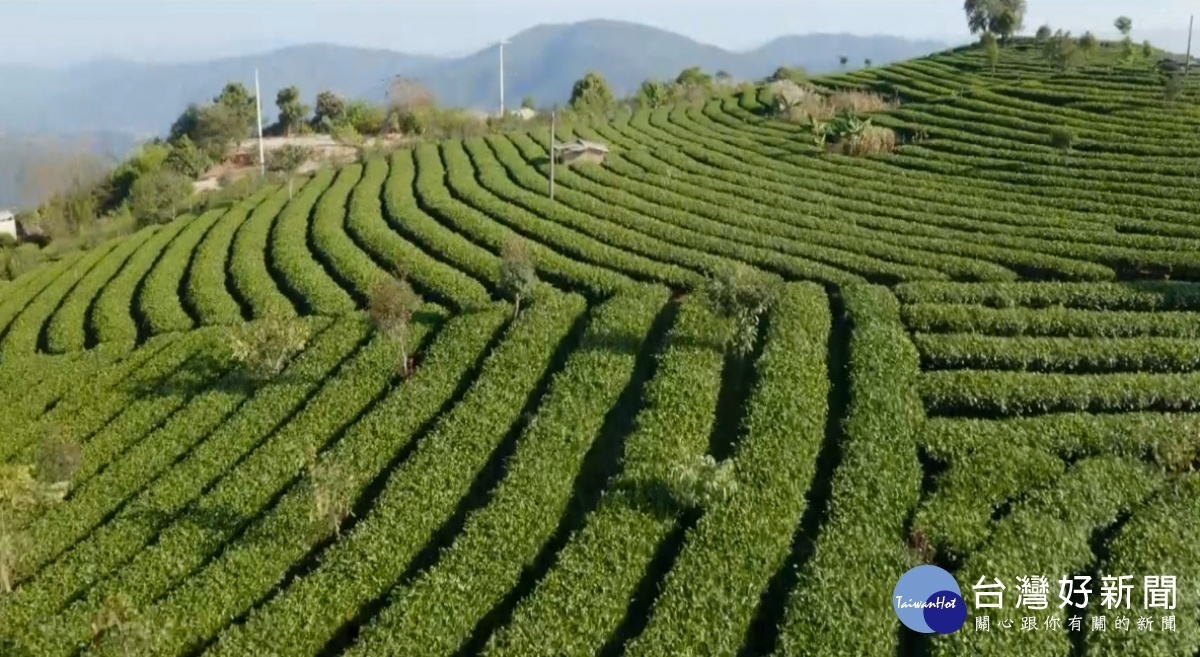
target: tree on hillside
<point>1088,44</point>
<point>517,273</point>
<point>795,74</point>
<point>1003,18</point>
<point>1124,25</point>
<point>1061,50</point>
<point>724,77</point>
<point>528,103</point>
<point>991,49</point>
<point>408,95</point>
<point>263,348</point>
<point>287,160</point>
<point>292,112</point>
<point>159,197</point>
<point>330,110</point>
<point>238,100</point>
<point>591,93</point>
<point>1147,49</point>
<point>1044,32</point>
<point>390,307</point>
<point>187,159</point>
<point>693,77</point>
<point>867,62</point>
<point>213,128</point>
<point>843,60</point>
<point>742,294</point>
<point>653,94</point>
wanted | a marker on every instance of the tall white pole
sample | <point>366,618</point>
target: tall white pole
<point>1187,63</point>
<point>262,156</point>
<point>502,79</point>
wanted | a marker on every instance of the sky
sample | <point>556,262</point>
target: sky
<point>65,32</point>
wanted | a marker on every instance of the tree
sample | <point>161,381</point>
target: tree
<point>693,77</point>
<point>1000,17</point>
<point>330,110</point>
<point>1060,50</point>
<point>390,307</point>
<point>263,348</point>
<point>291,111</point>
<point>1124,25</point>
<point>591,94</point>
<point>1044,32</point>
<point>1172,85</point>
<point>187,159</point>
<point>724,77</point>
<point>795,74</point>
<point>517,273</point>
<point>843,60</point>
<point>653,94</point>
<point>1088,44</point>
<point>159,197</point>
<point>991,49</point>
<point>742,294</point>
<point>235,98</point>
<point>528,103</point>
<point>215,129</point>
<point>703,481</point>
<point>408,95</point>
<point>332,502</point>
<point>288,159</point>
<point>1147,49</point>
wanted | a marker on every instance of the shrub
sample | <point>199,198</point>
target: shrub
<point>23,258</point>
<point>872,140</point>
<point>517,273</point>
<point>263,348</point>
<point>159,197</point>
<point>1062,138</point>
<point>741,293</point>
<point>703,482</point>
<point>391,307</point>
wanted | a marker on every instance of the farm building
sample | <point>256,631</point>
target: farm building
<point>8,223</point>
<point>588,152</point>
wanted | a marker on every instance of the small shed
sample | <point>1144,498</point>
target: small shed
<point>588,152</point>
<point>8,223</point>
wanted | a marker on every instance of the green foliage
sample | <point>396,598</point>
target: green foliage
<point>518,276</point>
<point>843,60</point>
<point>1088,44</point>
<point>21,496</point>
<point>1147,49</point>
<point>330,487</point>
<point>653,94</point>
<point>1062,138</point>
<point>1124,25</point>
<point>528,103</point>
<point>742,294</point>
<point>795,74</point>
<point>991,49</point>
<point>288,158</point>
<point>391,307</point>
<point>364,117</point>
<point>1043,33</point>
<point>292,112</point>
<point>703,482</point>
<point>1001,17</point>
<point>160,197</point>
<point>263,348</point>
<point>693,77</point>
<point>1061,50</point>
<point>187,159</point>
<point>330,111</point>
<point>591,94</point>
<point>1172,85</point>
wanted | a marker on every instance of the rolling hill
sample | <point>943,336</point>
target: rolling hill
<point>982,352</point>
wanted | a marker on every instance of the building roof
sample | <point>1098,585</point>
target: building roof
<point>580,145</point>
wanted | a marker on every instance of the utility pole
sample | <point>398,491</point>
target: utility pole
<point>502,78</point>
<point>262,157</point>
<point>553,157</point>
<point>1187,63</point>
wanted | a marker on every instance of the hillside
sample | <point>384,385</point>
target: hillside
<point>983,353</point>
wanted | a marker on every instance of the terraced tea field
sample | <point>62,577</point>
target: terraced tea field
<point>985,355</point>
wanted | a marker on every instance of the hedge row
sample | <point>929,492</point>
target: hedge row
<point>1053,321</point>
<point>67,329</point>
<point>247,266</point>
<point>30,285</point>
<point>1140,296</point>
<point>437,612</point>
<point>862,548</point>
<point>352,268</point>
<point>24,334</point>
<point>250,568</point>
<point>66,576</point>
<point>208,284</point>
<point>201,531</point>
<point>580,603</point>
<point>990,394</point>
<point>158,298</point>
<point>470,210</point>
<point>774,467</point>
<point>302,276</point>
<point>112,316</point>
<point>368,227</point>
<point>417,498</point>
<point>1054,354</point>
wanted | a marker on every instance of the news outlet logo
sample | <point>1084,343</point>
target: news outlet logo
<point>927,599</point>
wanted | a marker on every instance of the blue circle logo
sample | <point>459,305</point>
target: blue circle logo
<point>928,600</point>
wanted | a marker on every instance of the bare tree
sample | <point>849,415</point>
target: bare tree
<point>517,273</point>
<point>391,307</point>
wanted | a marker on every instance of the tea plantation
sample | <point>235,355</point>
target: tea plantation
<point>984,354</point>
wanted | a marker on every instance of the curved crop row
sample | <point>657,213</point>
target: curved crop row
<point>1141,296</point>
<point>208,292</point>
<point>334,247</point>
<point>417,498</point>
<point>158,299</point>
<point>580,603</point>
<point>437,612</point>
<point>1054,354</point>
<point>1051,321</point>
<point>369,228</point>
<point>112,316</point>
<point>30,285</point>
<point>300,272</point>
<point>247,267</point>
<point>68,575</point>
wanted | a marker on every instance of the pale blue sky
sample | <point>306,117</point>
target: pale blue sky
<point>68,31</point>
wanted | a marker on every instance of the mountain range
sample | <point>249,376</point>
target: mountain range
<point>128,101</point>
